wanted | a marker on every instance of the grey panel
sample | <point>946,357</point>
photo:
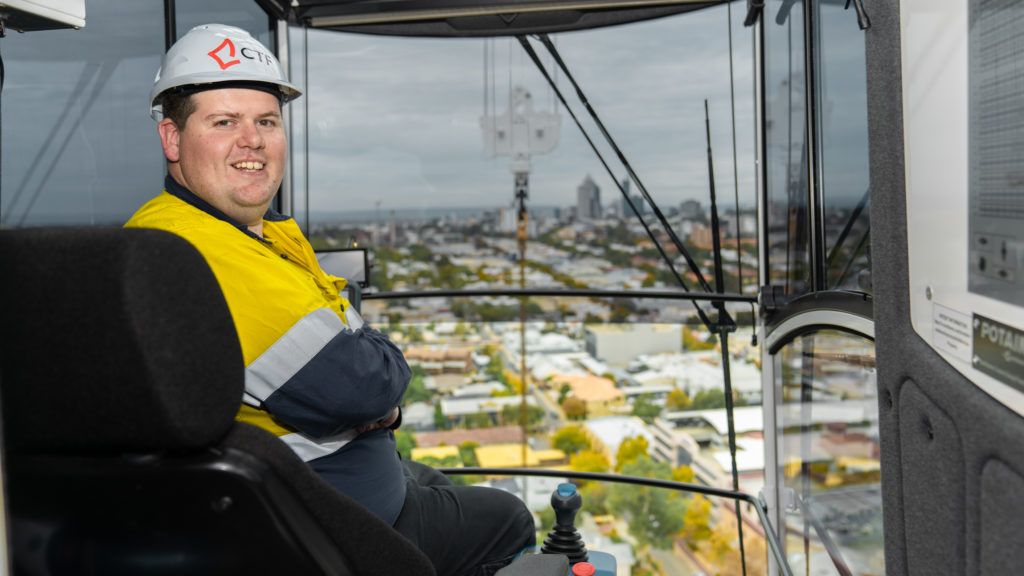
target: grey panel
<point>967,509</point>
<point>1002,506</point>
<point>933,485</point>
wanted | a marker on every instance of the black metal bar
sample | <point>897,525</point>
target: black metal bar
<point>815,201</point>
<point>170,25</point>
<point>564,292</point>
<point>723,330</point>
<point>758,505</point>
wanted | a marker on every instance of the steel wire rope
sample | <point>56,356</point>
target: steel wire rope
<point>668,261</point>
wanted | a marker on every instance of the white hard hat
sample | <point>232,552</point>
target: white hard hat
<point>215,53</point>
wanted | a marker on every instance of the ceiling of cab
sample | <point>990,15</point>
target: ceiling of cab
<point>472,18</point>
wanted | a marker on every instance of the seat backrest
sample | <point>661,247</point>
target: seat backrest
<point>120,376</point>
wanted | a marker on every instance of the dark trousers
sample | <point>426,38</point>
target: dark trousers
<point>464,530</point>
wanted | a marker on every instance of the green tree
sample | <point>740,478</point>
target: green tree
<point>683,474</point>
<point>417,390</point>
<point>546,522</point>
<point>570,439</point>
<point>654,514</point>
<point>512,414</point>
<point>441,421</point>
<point>645,409</point>
<point>421,253</point>
<point>467,451</point>
<point>708,400</point>
<point>406,441</point>
<point>574,408</point>
<point>495,369</point>
<point>697,520</point>
<point>588,461</point>
<point>478,420</point>
<point>629,450</point>
<point>691,342</point>
<point>563,392</point>
<point>678,400</point>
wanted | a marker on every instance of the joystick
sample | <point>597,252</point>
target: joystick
<point>564,538</point>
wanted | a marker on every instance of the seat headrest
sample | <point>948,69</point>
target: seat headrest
<point>114,340</point>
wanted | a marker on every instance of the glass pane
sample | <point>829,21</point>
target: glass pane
<point>635,399</point>
<point>399,153</point>
<point>79,146</point>
<point>788,210</point>
<point>829,454</point>
<point>640,529</point>
<point>844,148</point>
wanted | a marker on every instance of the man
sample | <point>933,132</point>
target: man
<point>318,378</point>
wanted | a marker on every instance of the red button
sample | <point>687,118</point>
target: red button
<point>583,569</point>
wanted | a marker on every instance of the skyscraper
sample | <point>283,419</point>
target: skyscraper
<point>588,200</point>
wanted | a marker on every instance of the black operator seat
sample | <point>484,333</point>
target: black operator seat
<point>120,374</point>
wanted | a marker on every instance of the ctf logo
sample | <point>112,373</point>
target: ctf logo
<point>226,46</point>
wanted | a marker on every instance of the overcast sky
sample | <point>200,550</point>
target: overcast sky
<point>397,120</point>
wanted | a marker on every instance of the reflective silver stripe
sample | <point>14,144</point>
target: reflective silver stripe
<point>309,449</point>
<point>291,352</point>
<point>353,319</point>
<point>250,400</point>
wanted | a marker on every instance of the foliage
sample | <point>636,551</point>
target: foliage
<point>545,522</point>
<point>467,451</point>
<point>570,439</point>
<point>441,421</point>
<point>595,498</point>
<point>435,462</point>
<point>678,400</point>
<point>683,474</point>
<point>563,392</point>
<point>691,342</point>
<point>421,253</point>
<point>654,514</point>
<point>574,408</point>
<point>495,369</point>
<point>489,312</point>
<point>697,520</point>
<point>406,441</point>
<point>708,400</point>
<point>417,390</point>
<point>589,461</point>
<point>629,450</point>
<point>512,414</point>
<point>645,409</point>
<point>478,420</point>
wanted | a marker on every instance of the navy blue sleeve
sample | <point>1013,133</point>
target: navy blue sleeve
<point>355,380</point>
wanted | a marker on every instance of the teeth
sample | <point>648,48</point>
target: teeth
<point>249,165</point>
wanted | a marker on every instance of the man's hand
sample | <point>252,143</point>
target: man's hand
<point>384,422</point>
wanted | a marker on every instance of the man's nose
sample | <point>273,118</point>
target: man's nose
<point>250,137</point>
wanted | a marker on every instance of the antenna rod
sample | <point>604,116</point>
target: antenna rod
<point>724,325</point>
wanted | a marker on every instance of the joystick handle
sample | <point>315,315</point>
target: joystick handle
<point>564,538</point>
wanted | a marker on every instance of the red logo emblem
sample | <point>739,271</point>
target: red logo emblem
<point>230,46</point>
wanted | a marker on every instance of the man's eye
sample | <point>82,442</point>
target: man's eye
<point>268,123</point>
<point>223,123</point>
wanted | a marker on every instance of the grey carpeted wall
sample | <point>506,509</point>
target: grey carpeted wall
<point>952,457</point>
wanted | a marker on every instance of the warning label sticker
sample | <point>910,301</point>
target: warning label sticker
<point>999,351</point>
<point>951,332</point>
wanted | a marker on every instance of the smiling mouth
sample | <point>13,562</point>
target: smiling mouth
<point>250,166</point>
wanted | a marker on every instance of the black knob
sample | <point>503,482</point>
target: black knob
<point>564,538</point>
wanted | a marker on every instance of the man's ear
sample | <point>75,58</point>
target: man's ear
<point>169,136</point>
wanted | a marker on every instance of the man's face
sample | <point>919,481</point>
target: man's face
<point>231,151</point>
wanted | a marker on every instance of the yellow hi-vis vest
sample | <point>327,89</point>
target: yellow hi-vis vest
<point>286,309</point>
